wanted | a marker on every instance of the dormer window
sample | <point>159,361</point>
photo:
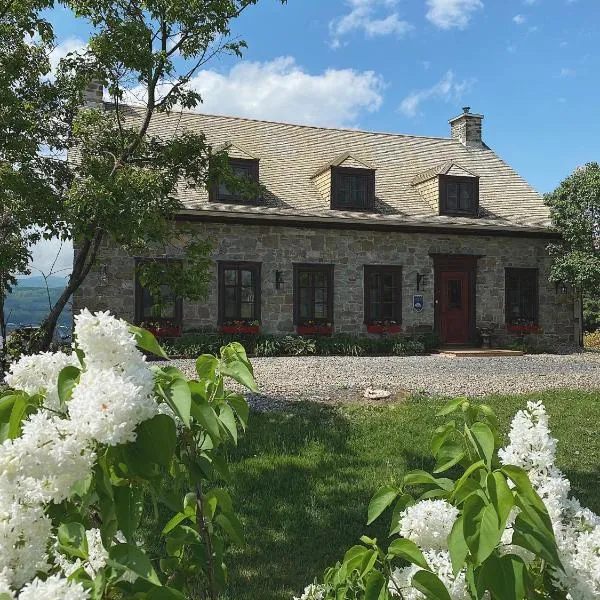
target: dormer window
<point>352,189</point>
<point>244,169</point>
<point>459,196</point>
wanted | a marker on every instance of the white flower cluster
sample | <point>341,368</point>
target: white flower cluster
<point>577,529</point>
<point>57,450</point>
<point>312,592</point>
<point>428,524</point>
<point>38,374</point>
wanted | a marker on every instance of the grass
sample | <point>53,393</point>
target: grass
<point>303,478</point>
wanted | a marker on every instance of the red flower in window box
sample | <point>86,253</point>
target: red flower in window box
<point>314,328</point>
<point>522,328</point>
<point>384,327</point>
<point>162,329</point>
<point>240,327</point>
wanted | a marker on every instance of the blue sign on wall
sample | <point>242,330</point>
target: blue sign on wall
<point>418,303</point>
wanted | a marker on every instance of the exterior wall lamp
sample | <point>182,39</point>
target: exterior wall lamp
<point>561,288</point>
<point>278,280</point>
<point>103,275</point>
<point>421,280</point>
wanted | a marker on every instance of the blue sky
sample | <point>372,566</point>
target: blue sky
<point>407,66</point>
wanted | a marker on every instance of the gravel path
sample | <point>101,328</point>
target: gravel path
<point>338,378</point>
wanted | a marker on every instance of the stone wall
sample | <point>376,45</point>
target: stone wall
<point>277,248</point>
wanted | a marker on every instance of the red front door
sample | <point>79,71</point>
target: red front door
<point>454,307</point>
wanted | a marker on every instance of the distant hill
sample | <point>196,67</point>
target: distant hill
<point>29,305</point>
<point>37,281</point>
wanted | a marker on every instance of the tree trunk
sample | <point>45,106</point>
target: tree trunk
<point>3,355</point>
<point>86,257</point>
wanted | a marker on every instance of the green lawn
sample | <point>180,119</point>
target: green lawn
<point>303,479</point>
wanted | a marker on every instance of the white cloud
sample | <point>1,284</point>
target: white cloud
<point>68,45</point>
<point>52,252</point>
<point>447,14</point>
<point>447,89</point>
<point>530,2</point>
<point>519,19</point>
<point>566,72</point>
<point>363,16</point>
<point>281,90</point>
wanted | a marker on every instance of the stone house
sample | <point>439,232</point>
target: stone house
<point>358,232</point>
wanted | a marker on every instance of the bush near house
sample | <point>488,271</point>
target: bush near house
<point>591,341</point>
<point>191,345</point>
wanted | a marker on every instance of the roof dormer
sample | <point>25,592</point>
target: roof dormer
<point>449,189</point>
<point>347,183</point>
<point>245,167</point>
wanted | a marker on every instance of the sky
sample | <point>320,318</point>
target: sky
<point>407,66</point>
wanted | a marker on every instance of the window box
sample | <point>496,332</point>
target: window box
<point>240,328</point>
<point>315,329</point>
<point>522,329</point>
<point>162,331</point>
<point>383,328</point>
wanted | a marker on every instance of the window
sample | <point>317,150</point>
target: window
<point>157,309</point>
<point>383,294</point>
<point>243,169</point>
<point>239,291</point>
<point>459,195</point>
<point>313,293</point>
<point>522,297</point>
<point>352,189</point>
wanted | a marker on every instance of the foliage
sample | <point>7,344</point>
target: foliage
<point>498,525</point>
<point>575,211</point>
<point>89,440</point>
<point>591,314</point>
<point>592,340</point>
<point>192,344</point>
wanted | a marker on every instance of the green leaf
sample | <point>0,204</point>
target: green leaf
<point>505,577</point>
<point>129,506</point>
<point>157,439</point>
<point>440,435</point>
<point>535,539</point>
<point>354,557</point>
<point>72,539</point>
<point>146,341</point>
<point>207,417</point>
<point>67,380</point>
<point>482,439</point>
<point>500,495</point>
<point>227,419</point>
<point>481,527</point>
<point>206,366</point>
<point>177,393</point>
<point>241,408</point>
<point>132,558</point>
<point>234,364</point>
<point>526,491</point>
<point>6,406</point>
<point>20,410</point>
<point>451,406</point>
<point>376,588</point>
<point>174,521</point>
<point>164,593</point>
<point>232,527</point>
<point>448,455</point>
<point>404,501</point>
<point>418,477</point>
<point>466,475</point>
<point>409,551</point>
<point>458,545</point>
<point>430,585</point>
<point>380,501</point>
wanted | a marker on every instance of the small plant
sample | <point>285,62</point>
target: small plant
<point>592,340</point>
<point>298,346</point>
<point>408,348</point>
<point>487,524</point>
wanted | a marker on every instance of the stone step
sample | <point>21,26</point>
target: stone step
<point>479,352</point>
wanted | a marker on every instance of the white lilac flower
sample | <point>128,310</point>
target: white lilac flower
<point>106,341</point>
<point>440,562</point>
<point>428,523</point>
<point>107,407</point>
<point>97,553</point>
<point>38,374</point>
<point>24,535</point>
<point>312,592</point>
<point>5,586</point>
<point>46,461</point>
<point>54,588</point>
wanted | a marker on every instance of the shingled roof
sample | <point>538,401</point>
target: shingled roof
<point>290,155</point>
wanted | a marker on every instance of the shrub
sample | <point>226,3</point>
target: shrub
<point>88,440</point>
<point>487,524</point>
<point>591,314</point>
<point>408,348</point>
<point>592,340</point>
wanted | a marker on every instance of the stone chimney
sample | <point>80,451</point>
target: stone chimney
<point>92,95</point>
<point>466,128</point>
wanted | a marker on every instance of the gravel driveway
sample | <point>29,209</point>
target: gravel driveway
<point>346,378</point>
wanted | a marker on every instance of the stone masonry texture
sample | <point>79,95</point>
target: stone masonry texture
<point>279,247</point>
